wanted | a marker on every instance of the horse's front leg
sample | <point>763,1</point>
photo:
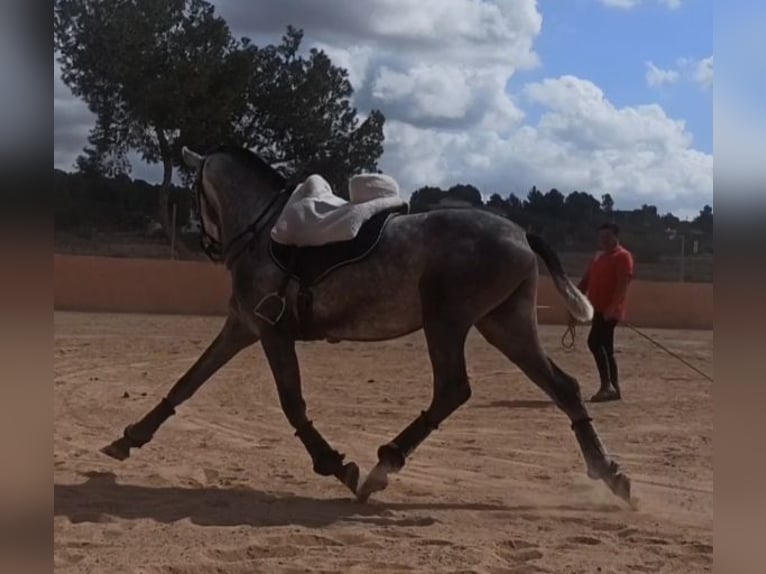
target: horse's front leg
<point>231,340</point>
<point>279,348</point>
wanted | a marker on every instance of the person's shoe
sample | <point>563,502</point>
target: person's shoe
<point>606,394</point>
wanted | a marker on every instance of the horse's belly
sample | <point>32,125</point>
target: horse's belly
<point>377,305</point>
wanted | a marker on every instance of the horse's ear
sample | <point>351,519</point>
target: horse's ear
<point>193,160</point>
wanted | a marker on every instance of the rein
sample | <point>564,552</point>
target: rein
<point>568,338</point>
<point>571,333</point>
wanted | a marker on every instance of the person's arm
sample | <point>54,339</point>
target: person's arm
<point>624,276</point>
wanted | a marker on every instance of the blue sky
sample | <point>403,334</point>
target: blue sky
<point>465,103</point>
<point>610,47</point>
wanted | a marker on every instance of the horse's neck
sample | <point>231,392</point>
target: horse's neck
<point>241,211</point>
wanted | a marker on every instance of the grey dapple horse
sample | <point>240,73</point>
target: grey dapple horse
<point>443,271</point>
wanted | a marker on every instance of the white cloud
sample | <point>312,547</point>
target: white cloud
<point>422,90</point>
<point>659,77</point>
<point>625,4</point>
<point>438,70</point>
<point>696,71</point>
<point>581,141</point>
<point>432,63</point>
<point>443,95</point>
<point>628,4</point>
<point>445,30</point>
<point>703,73</point>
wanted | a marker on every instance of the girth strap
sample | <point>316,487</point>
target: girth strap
<point>273,306</point>
<point>305,304</point>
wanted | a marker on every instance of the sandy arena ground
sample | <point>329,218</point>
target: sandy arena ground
<point>500,488</point>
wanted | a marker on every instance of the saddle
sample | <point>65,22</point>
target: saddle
<point>310,264</point>
<point>317,235</point>
<point>314,215</point>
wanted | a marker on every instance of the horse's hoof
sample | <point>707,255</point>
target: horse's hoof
<point>349,476</point>
<point>603,470</point>
<point>376,481</point>
<point>118,449</point>
<point>619,484</point>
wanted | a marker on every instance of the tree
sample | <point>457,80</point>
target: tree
<point>607,205</point>
<point>157,75</point>
<point>497,204</point>
<point>515,205</point>
<point>162,74</point>
<point>670,221</point>
<point>422,198</point>
<point>704,221</point>
<point>515,210</point>
<point>647,216</point>
<point>554,203</point>
<point>581,206</point>
<point>467,193</point>
<point>535,200</point>
<point>299,115</point>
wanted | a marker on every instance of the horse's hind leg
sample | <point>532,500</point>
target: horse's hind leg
<point>512,329</point>
<point>446,348</point>
<point>231,340</point>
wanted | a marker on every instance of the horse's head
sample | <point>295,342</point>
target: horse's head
<point>236,194</point>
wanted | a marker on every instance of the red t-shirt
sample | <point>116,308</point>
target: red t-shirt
<point>603,276</point>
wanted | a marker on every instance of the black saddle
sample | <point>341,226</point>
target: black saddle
<point>309,265</point>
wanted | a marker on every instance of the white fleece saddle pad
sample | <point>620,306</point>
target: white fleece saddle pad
<point>314,215</point>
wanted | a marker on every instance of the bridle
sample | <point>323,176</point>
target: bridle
<point>213,248</point>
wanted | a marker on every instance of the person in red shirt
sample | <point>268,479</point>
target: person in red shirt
<point>605,283</point>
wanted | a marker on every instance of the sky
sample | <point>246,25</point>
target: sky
<point>603,96</point>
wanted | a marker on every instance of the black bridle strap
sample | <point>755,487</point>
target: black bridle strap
<point>252,230</point>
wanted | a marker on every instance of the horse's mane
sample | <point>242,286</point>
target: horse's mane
<point>252,161</point>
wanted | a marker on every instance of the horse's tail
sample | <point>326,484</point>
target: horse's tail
<point>577,303</point>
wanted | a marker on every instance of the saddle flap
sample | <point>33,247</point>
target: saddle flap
<point>313,263</point>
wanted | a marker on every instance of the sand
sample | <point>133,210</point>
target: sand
<point>225,487</point>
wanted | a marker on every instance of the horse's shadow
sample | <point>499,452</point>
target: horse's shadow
<point>519,404</point>
<point>102,496</point>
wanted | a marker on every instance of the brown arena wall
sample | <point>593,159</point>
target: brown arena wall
<point>83,283</point>
<point>103,284</point>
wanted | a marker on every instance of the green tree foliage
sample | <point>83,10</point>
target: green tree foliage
<point>299,115</point>
<point>553,203</point>
<point>568,221</point>
<point>535,200</point>
<point>157,75</point>
<point>162,74</point>
<point>582,205</point>
<point>425,197</point>
<point>607,204</point>
<point>466,193</point>
<point>497,204</point>
<point>515,206</point>
<point>704,221</point>
<point>87,202</point>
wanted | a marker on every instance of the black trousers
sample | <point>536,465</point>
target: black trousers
<point>601,344</point>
